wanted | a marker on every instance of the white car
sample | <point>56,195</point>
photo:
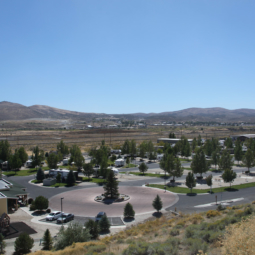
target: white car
<point>54,215</point>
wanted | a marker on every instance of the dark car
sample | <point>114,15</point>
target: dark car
<point>65,218</point>
<point>100,215</point>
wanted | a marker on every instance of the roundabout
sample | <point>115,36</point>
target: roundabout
<point>82,202</point>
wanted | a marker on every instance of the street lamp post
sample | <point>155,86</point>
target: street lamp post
<point>61,209</point>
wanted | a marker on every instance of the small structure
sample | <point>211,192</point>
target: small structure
<point>4,223</point>
<point>171,140</point>
<point>49,181</point>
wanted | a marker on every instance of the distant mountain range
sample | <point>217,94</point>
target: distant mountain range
<point>13,111</point>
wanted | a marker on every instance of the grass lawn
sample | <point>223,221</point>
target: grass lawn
<point>186,160</point>
<point>198,191</point>
<point>95,180</point>
<point>129,165</point>
<point>36,181</point>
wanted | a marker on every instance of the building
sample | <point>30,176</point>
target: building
<point>171,140</point>
<point>243,137</point>
<point>10,194</point>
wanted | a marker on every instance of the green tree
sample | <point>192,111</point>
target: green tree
<point>150,147</point>
<point>2,244</point>
<point>113,158</point>
<point>229,176</point>
<point>126,147</point>
<point>157,203</point>
<point>38,156</point>
<point>23,244</point>
<point>209,182</point>
<point>185,147</point>
<point>93,228</point>
<point>194,144</point>
<point>58,177</point>
<point>178,169</point>
<point>208,147</point>
<point>228,143</point>
<point>15,161</point>
<point>172,135</point>
<point>76,156</point>
<point>142,149</point>
<point>133,147</point>
<point>52,161</point>
<point>111,186</point>
<point>199,164</point>
<point>215,158</point>
<point>238,151</point>
<point>5,150</point>
<point>190,181</point>
<point>22,155</point>
<point>88,170</point>
<point>225,161</point>
<point>47,241</point>
<point>104,165</point>
<point>41,203</point>
<point>143,168</point>
<point>104,224</point>
<point>129,211</point>
<point>248,159</point>
<point>40,174</point>
<point>127,161</point>
<point>74,233</point>
<point>169,165</point>
<point>199,140</point>
<point>70,179</point>
<point>62,148</point>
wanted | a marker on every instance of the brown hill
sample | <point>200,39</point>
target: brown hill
<point>13,111</point>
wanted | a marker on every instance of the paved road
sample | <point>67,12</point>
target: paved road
<point>185,203</point>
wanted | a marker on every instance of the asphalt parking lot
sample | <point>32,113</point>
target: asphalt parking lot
<point>114,221</point>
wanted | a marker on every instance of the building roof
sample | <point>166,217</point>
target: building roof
<point>14,191</point>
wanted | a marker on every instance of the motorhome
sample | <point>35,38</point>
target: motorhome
<point>63,172</point>
<point>65,161</point>
<point>119,162</point>
<point>29,163</point>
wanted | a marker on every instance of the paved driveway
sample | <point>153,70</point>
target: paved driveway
<point>81,202</point>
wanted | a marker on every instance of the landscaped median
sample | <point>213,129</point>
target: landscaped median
<point>182,190</point>
<point>146,174</point>
<point>56,185</point>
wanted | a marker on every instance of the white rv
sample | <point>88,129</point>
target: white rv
<point>65,161</point>
<point>160,156</point>
<point>29,163</point>
<point>119,162</point>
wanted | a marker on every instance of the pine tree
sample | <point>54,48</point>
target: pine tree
<point>40,174</point>
<point>104,224</point>
<point>248,159</point>
<point>190,181</point>
<point>23,244</point>
<point>70,180</point>
<point>199,164</point>
<point>225,161</point>
<point>129,211</point>
<point>58,177</point>
<point>111,187</point>
<point>47,241</point>
<point>93,228</point>
<point>209,181</point>
<point>229,176</point>
<point>238,151</point>
<point>157,203</point>
<point>143,168</point>
<point>88,169</point>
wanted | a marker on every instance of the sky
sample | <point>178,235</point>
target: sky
<point>128,56</point>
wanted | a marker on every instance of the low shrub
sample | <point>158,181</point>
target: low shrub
<point>212,213</point>
<point>30,200</point>
<point>174,232</point>
<point>195,245</point>
<point>32,206</point>
<point>221,208</point>
<point>96,249</point>
<point>48,210</point>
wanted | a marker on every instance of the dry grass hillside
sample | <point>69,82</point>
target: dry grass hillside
<point>224,231</point>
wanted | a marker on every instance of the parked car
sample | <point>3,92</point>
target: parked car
<point>54,215</point>
<point>100,215</point>
<point>65,218</point>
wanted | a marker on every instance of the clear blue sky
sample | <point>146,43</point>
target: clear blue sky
<point>126,56</point>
